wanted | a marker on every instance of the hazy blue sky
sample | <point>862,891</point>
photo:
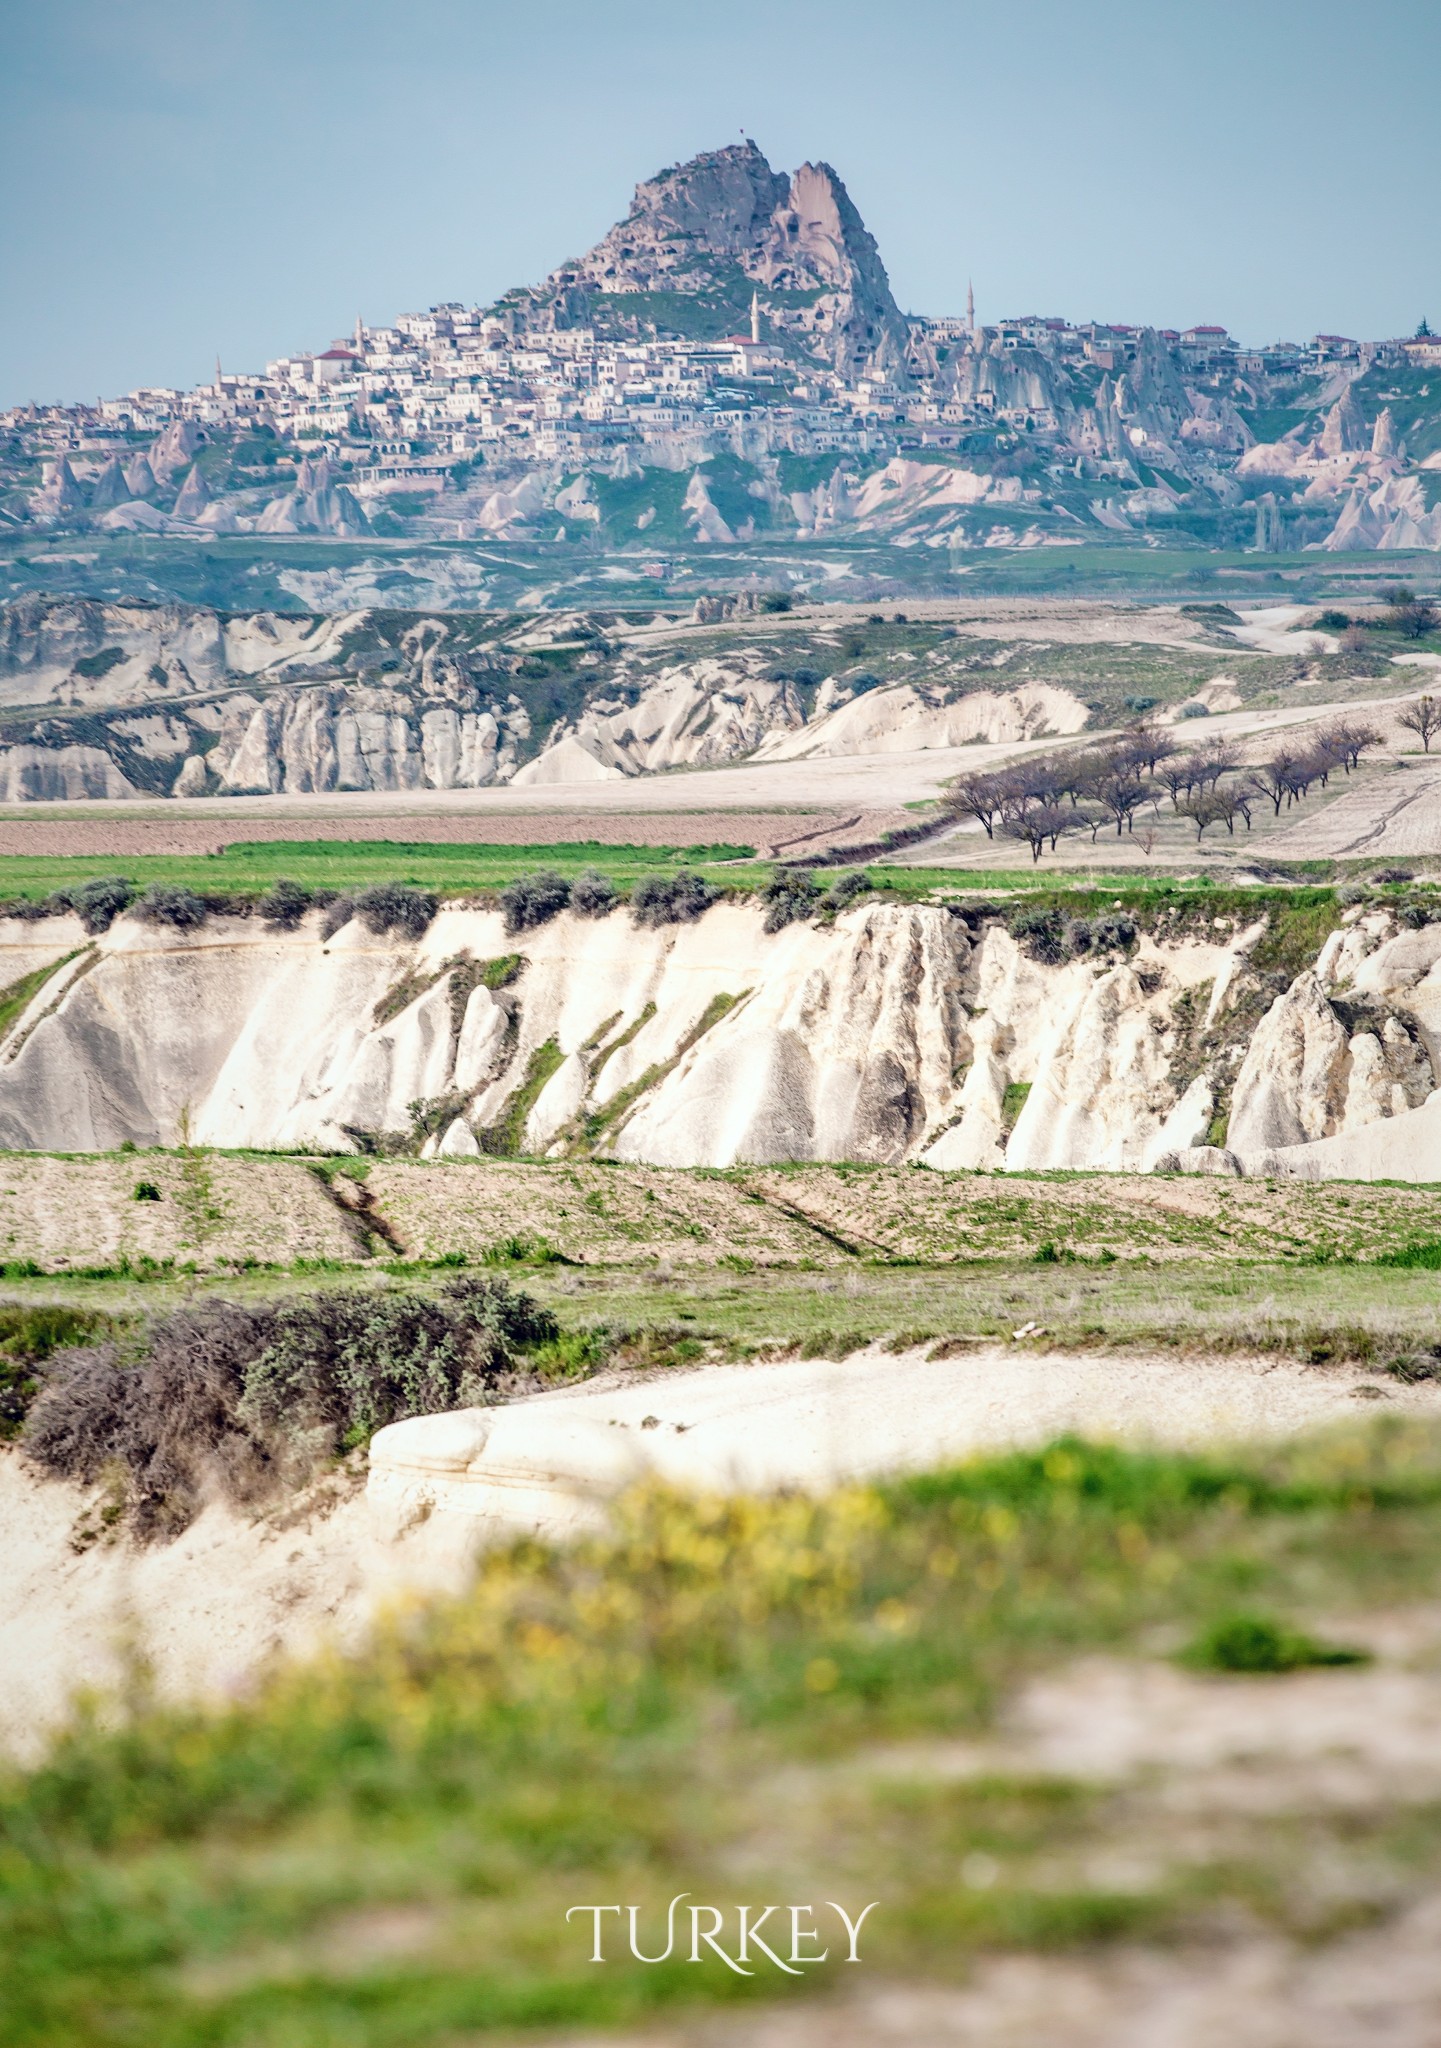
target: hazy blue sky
<point>179,177</point>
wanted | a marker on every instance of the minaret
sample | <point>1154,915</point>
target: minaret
<point>359,335</point>
<point>756,318</point>
<point>218,372</point>
<point>970,308</point>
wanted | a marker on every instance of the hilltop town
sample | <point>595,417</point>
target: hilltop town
<point>729,363</point>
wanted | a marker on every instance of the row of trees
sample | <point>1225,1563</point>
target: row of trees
<point>1038,800</point>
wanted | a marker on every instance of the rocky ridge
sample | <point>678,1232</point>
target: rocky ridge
<point>893,1034</point>
<point>121,700</point>
<point>725,222</point>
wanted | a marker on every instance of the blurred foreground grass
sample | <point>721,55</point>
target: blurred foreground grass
<point>743,1699</point>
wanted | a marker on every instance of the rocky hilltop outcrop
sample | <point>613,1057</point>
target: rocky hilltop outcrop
<point>726,222</point>
<point>895,1033</point>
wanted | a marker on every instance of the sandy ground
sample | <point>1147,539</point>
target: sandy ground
<point>1398,815</point>
<point>204,1613</point>
<point>209,1608</point>
<point>1380,1988</point>
<point>1076,622</point>
<point>818,1423</point>
<point>846,783</point>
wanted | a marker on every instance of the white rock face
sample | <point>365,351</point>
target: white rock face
<point>286,718</point>
<point>894,1034</point>
<point>1305,1077</point>
<point>30,774</point>
<point>1291,1088</point>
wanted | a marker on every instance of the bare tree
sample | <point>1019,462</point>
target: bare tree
<point>1121,794</point>
<point>1209,807</point>
<point>1423,718</point>
<point>1145,744</point>
<point>1176,775</point>
<point>1272,779</point>
<point>1411,616</point>
<point>977,796</point>
<point>1218,758</point>
<point>1349,741</point>
<point>1038,823</point>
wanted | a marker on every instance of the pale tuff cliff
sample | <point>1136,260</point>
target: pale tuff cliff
<point>895,1034</point>
<point>182,700</point>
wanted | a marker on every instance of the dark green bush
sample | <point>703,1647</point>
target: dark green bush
<point>532,900</point>
<point>348,1362</point>
<point>671,899</point>
<point>97,903</point>
<point>792,894</point>
<point>1039,934</point>
<point>844,890</point>
<point>285,903</point>
<point>396,907</point>
<point>592,894</point>
<point>169,903</point>
<point>1114,931</point>
<point>29,1334</point>
<point>1253,1644</point>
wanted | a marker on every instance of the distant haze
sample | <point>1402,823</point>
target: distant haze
<point>183,180</point>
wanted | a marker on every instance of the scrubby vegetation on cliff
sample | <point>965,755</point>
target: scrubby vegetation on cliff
<point>219,1397</point>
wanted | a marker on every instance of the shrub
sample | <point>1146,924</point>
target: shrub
<point>791,895</point>
<point>1253,1644</point>
<point>671,899</point>
<point>532,900</point>
<point>1078,936</point>
<point>592,894</point>
<point>170,903</point>
<point>285,904</point>
<point>1039,934</point>
<point>216,1397</point>
<point>1193,711</point>
<point>96,903</point>
<point>1114,932</point>
<point>844,890</point>
<point>395,907</point>
<point>335,914</point>
<point>145,1191</point>
<point>344,1364</point>
<point>776,601</point>
<point>29,1334</point>
<point>167,1419</point>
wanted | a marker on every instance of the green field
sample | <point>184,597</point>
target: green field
<point>250,867</point>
